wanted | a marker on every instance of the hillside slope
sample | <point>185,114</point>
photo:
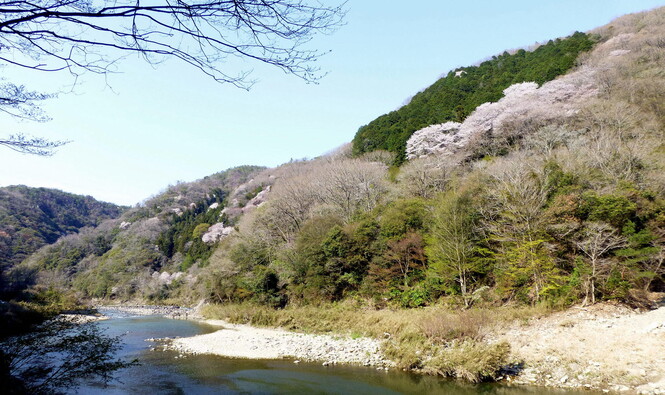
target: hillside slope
<point>33,217</point>
<point>556,199</point>
<point>516,215</point>
<point>119,256</point>
<point>455,96</point>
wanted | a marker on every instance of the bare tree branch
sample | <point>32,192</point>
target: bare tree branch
<point>32,145</point>
<point>81,35</point>
<point>91,36</point>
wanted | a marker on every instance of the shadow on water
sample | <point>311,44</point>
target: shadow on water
<point>167,372</point>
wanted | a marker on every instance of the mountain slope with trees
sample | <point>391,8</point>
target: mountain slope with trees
<point>455,96</point>
<point>33,217</point>
<point>563,211</point>
<point>558,211</point>
<point>119,257</point>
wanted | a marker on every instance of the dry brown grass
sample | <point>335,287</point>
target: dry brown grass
<point>436,323</point>
<point>448,326</point>
<point>433,340</point>
<point>471,361</point>
<point>340,318</point>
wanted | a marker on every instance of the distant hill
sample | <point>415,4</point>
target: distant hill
<point>119,256</point>
<point>455,96</point>
<point>33,217</point>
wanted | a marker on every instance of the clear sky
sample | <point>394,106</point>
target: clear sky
<point>155,126</point>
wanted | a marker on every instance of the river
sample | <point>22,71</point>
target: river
<point>166,372</point>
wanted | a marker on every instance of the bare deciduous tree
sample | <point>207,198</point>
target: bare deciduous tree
<point>596,241</point>
<point>518,194</point>
<point>334,186</point>
<point>289,207</point>
<point>547,139</point>
<point>350,185</point>
<point>424,177</point>
<point>84,35</point>
<point>31,145</point>
<point>18,102</point>
<point>615,158</point>
<point>91,36</point>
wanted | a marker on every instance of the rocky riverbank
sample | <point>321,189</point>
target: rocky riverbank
<point>606,347</point>
<point>243,341</point>
<point>602,347</point>
<point>174,312</point>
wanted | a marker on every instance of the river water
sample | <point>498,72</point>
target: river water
<point>166,372</point>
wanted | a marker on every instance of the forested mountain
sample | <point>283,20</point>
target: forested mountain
<point>455,96</point>
<point>33,217</point>
<point>119,257</point>
<point>555,195</point>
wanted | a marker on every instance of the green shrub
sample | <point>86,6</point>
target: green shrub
<point>200,230</point>
<point>415,297</point>
<point>613,209</point>
<point>264,284</point>
<point>402,216</point>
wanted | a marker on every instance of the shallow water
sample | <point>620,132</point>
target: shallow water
<point>164,372</point>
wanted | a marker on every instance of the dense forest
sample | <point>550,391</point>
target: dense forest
<point>455,96</point>
<point>33,217</point>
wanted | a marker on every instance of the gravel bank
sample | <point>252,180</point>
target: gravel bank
<point>606,347</point>
<point>174,312</point>
<point>243,341</point>
<point>83,318</point>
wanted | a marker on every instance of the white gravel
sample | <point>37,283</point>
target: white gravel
<point>244,341</point>
<point>601,346</point>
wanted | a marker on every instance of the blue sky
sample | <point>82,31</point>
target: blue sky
<point>138,131</point>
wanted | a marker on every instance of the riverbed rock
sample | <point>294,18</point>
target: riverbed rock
<point>242,341</point>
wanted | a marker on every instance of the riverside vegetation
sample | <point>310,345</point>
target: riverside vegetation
<point>539,211</point>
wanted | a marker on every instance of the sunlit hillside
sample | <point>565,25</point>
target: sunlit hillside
<point>556,195</point>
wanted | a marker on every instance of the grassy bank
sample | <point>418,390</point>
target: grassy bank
<point>432,340</point>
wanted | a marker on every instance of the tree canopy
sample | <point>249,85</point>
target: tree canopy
<point>455,96</point>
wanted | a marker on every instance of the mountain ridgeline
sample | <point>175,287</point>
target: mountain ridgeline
<point>33,217</point>
<point>455,96</point>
